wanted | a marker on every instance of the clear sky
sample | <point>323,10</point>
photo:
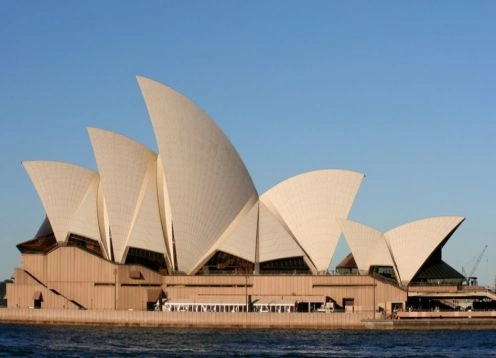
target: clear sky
<point>402,91</point>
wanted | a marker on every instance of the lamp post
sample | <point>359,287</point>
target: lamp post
<point>246,290</point>
<point>115,289</point>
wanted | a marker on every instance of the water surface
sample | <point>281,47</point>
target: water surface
<point>74,341</point>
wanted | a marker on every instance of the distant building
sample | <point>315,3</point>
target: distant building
<point>187,228</point>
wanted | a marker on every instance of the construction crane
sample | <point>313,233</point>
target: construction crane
<point>470,279</point>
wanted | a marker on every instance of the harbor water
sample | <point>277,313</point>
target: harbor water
<point>86,341</point>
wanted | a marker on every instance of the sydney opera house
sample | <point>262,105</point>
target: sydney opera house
<point>185,229</point>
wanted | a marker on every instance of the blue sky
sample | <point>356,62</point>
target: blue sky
<point>401,91</point>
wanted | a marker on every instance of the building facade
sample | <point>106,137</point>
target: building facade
<point>185,229</point>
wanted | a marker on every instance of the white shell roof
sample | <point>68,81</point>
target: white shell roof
<point>309,204</point>
<point>242,238</point>
<point>239,239</point>
<point>69,196</point>
<point>412,244</point>
<point>128,175</point>
<point>206,180</point>
<point>275,242</point>
<point>197,197</point>
<point>367,244</point>
<point>406,247</point>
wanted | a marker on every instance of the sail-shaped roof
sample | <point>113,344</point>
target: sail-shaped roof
<point>197,198</point>
<point>367,244</point>
<point>69,196</point>
<point>309,204</point>
<point>275,242</point>
<point>206,180</point>
<point>128,174</point>
<point>412,244</point>
<point>241,239</point>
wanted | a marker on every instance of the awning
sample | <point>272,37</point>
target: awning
<point>289,299</point>
<point>37,295</point>
<point>154,294</point>
<point>212,300</point>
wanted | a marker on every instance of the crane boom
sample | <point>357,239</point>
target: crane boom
<point>477,262</point>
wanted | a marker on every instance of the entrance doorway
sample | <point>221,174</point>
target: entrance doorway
<point>37,300</point>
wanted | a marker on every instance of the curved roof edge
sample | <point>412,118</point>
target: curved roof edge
<point>305,173</point>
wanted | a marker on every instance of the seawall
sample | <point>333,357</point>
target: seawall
<point>186,319</point>
<point>433,324</point>
<point>356,320</point>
